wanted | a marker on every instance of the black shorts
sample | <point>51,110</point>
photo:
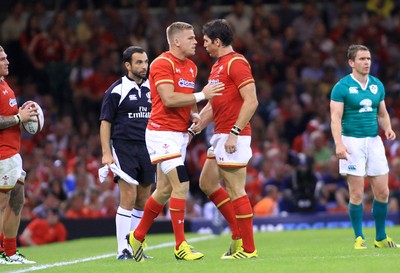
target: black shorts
<point>133,158</point>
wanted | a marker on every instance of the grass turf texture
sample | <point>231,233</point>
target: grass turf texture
<point>327,250</point>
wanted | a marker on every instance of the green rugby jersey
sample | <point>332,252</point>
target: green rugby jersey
<point>360,105</point>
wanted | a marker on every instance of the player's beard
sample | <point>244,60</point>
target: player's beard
<point>140,75</point>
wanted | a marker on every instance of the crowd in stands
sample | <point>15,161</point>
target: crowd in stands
<point>65,56</point>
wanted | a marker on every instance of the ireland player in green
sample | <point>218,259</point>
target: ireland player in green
<point>357,108</point>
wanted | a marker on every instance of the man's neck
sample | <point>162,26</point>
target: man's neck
<point>177,53</point>
<point>362,78</point>
<point>222,51</point>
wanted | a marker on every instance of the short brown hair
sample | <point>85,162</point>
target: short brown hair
<point>353,49</point>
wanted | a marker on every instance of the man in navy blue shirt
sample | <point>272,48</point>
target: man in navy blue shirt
<point>124,114</point>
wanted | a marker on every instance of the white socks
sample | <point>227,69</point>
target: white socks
<point>122,223</point>
<point>136,217</point>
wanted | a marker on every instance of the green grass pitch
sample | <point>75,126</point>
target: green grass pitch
<point>325,250</point>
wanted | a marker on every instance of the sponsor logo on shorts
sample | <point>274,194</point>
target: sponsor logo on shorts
<point>352,168</point>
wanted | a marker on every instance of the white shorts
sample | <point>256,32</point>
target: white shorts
<point>11,172</point>
<point>367,157</point>
<point>165,145</point>
<point>238,159</point>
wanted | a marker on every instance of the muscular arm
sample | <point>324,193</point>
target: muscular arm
<point>7,121</point>
<point>384,121</point>
<point>25,114</point>
<point>177,99</point>
<point>174,99</point>
<point>206,115</point>
<point>336,109</point>
<point>250,103</point>
<point>105,136</point>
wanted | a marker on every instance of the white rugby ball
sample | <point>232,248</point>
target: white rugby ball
<point>33,127</point>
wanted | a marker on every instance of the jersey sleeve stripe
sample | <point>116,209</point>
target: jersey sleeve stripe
<point>233,59</point>
<point>164,81</point>
<point>245,83</point>
<point>165,58</point>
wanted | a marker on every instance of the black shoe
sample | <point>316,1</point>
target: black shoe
<point>126,255</point>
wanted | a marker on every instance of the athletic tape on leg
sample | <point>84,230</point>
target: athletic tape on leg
<point>182,174</point>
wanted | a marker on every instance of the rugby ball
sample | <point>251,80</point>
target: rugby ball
<point>33,127</point>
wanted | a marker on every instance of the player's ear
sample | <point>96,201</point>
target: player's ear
<point>127,65</point>
<point>350,62</point>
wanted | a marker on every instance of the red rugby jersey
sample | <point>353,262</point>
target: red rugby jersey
<point>234,71</point>
<point>10,138</point>
<point>167,69</point>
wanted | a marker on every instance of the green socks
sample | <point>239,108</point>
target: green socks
<point>379,212</point>
<point>356,217</point>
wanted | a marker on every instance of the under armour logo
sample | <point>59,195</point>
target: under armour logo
<point>181,221</point>
<point>5,92</point>
<point>177,70</point>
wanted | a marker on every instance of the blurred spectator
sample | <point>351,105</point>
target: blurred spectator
<point>109,205</point>
<point>268,205</point>
<point>93,88</point>
<point>14,25</point>
<point>76,208</point>
<point>333,193</point>
<point>306,23</point>
<point>50,200</point>
<point>382,7</point>
<point>319,149</point>
<point>85,28</point>
<point>44,231</point>
<point>193,209</point>
<point>239,21</point>
<point>394,184</point>
<point>285,12</point>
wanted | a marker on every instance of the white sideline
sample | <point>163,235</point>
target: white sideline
<point>46,266</point>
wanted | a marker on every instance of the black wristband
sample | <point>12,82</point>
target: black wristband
<point>235,130</point>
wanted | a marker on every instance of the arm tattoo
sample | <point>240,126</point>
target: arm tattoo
<point>17,199</point>
<point>6,121</point>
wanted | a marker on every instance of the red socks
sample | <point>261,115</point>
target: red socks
<point>10,246</point>
<point>151,210</point>
<point>244,218</point>
<point>222,201</point>
<point>177,211</point>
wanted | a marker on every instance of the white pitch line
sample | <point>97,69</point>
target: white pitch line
<point>47,266</point>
